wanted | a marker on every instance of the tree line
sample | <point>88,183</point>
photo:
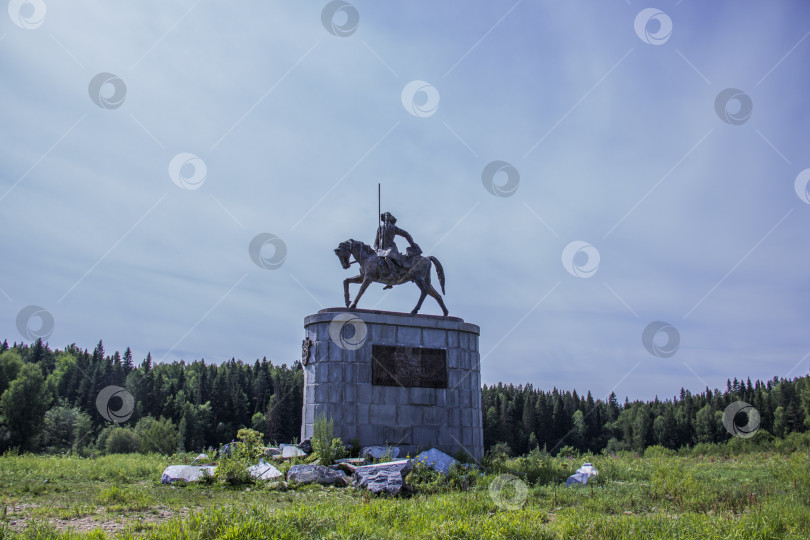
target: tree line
<point>49,402</point>
<point>48,399</point>
<point>525,419</point>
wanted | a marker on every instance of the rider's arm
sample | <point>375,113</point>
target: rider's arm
<point>405,234</point>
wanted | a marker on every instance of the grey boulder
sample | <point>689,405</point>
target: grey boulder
<point>386,478</point>
<point>379,451</point>
<point>317,474</point>
<point>436,460</point>
<point>186,473</point>
<point>291,452</point>
<point>264,471</point>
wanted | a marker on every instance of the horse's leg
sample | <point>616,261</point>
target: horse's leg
<point>424,288</point>
<point>356,279</point>
<point>435,294</point>
<point>363,287</point>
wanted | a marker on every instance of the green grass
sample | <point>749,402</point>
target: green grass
<point>659,495</point>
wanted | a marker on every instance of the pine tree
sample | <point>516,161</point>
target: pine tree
<point>127,364</point>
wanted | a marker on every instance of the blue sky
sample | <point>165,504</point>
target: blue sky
<point>612,126</point>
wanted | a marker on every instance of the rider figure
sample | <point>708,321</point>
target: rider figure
<point>386,246</point>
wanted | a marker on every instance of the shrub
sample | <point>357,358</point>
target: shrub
<point>122,441</point>
<point>423,479</point>
<point>157,435</point>
<point>324,444</point>
<point>500,449</point>
<point>537,468</point>
<point>232,471</point>
<point>251,443</point>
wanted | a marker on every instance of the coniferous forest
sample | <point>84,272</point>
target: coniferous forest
<point>48,403</point>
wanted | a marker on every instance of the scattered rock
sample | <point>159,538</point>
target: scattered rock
<point>317,474</point>
<point>387,478</point>
<point>577,478</point>
<point>356,461</point>
<point>436,460</point>
<point>187,473</point>
<point>264,471</point>
<point>588,469</point>
<point>305,446</point>
<point>291,452</point>
<point>225,449</point>
<point>582,475</point>
<point>348,468</point>
<point>379,451</point>
<point>272,452</point>
<point>201,457</point>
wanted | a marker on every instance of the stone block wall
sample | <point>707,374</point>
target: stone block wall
<point>338,381</point>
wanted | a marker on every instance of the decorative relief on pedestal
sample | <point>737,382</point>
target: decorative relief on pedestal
<point>306,347</point>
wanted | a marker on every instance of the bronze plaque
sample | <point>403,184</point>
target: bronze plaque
<point>394,365</point>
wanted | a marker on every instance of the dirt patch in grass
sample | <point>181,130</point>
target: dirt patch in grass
<point>109,523</point>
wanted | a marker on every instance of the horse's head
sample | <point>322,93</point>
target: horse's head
<point>343,251</point>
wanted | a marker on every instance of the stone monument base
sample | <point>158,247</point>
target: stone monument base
<point>411,381</point>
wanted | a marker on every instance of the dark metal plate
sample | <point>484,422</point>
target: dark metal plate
<point>394,365</point>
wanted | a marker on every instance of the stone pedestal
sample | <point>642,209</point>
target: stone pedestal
<point>411,381</point>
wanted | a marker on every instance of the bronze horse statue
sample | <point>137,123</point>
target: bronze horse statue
<point>374,269</point>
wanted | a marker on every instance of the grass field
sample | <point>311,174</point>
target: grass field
<point>658,495</point>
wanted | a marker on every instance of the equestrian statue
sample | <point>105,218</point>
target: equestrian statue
<point>384,263</point>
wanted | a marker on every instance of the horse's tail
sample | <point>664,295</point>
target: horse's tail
<point>439,270</point>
